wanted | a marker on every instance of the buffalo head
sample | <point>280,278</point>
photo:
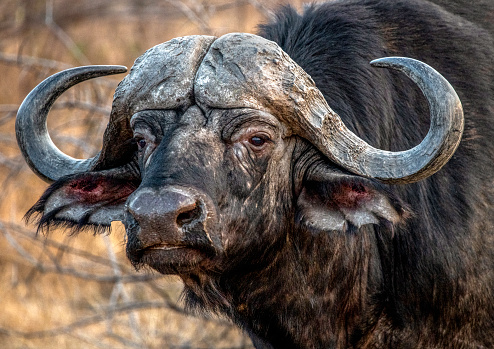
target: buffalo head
<point>217,147</point>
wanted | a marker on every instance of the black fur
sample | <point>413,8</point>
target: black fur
<point>433,262</point>
<point>420,272</point>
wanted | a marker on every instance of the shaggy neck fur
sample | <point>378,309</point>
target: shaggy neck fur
<point>335,296</point>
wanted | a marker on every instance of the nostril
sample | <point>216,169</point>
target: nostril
<point>190,214</point>
<point>167,213</point>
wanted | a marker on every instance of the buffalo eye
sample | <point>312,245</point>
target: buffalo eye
<point>141,143</point>
<point>258,141</point>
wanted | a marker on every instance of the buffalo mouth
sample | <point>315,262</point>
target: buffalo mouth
<point>170,228</point>
<point>167,257</point>
<point>165,247</point>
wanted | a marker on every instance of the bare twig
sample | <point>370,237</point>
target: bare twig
<point>112,301</point>
<point>74,104</point>
<point>63,36</point>
<point>32,237</point>
<point>196,16</point>
<point>119,289</point>
<point>87,321</point>
<point>75,272</point>
<point>261,7</point>
<point>33,62</point>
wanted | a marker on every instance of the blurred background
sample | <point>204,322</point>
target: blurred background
<point>62,291</point>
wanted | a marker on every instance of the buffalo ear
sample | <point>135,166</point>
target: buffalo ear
<point>342,202</point>
<point>90,200</point>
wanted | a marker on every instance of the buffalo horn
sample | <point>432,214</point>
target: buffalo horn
<point>41,154</point>
<point>446,128</point>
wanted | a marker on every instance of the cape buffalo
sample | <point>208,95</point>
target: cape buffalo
<point>229,168</point>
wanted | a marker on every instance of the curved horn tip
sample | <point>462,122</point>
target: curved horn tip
<point>404,64</point>
<point>39,151</point>
<point>391,62</point>
<point>118,69</point>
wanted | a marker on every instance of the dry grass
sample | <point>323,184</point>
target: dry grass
<point>58,291</point>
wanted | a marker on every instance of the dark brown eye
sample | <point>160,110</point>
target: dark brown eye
<point>141,143</point>
<point>257,141</point>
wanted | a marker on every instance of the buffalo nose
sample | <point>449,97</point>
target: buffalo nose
<point>166,213</point>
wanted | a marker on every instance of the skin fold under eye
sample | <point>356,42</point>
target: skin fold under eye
<point>147,133</point>
<point>146,143</point>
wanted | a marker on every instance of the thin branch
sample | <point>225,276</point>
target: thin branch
<point>87,321</point>
<point>126,342</point>
<point>29,61</point>
<point>75,104</point>
<point>33,237</point>
<point>75,272</point>
<point>119,288</point>
<point>96,342</point>
<point>193,16</point>
<point>262,8</point>
<point>13,163</point>
<point>63,36</point>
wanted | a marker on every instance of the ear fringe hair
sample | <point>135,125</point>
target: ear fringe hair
<point>48,221</point>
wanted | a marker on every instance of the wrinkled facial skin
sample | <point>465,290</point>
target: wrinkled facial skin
<point>214,179</point>
<point>219,170</point>
<point>205,174</point>
<point>223,190</point>
<point>215,167</point>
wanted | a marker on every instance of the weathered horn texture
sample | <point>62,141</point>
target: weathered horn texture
<point>240,71</point>
<point>247,71</point>
<point>419,162</point>
<point>161,78</point>
<point>42,155</point>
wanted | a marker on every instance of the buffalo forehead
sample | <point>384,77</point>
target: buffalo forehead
<point>247,71</point>
<point>234,71</point>
<point>162,78</point>
<point>239,70</point>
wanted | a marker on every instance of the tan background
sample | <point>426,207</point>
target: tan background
<point>58,291</point>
